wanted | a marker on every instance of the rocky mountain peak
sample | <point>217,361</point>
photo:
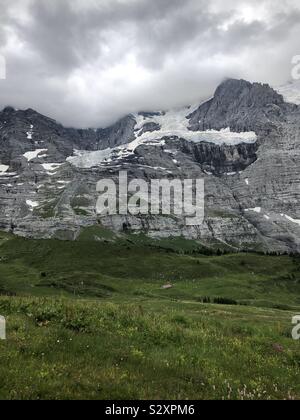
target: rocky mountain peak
<point>247,94</point>
<point>8,110</point>
<point>242,106</point>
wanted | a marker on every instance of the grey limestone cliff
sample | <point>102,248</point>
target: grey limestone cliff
<point>244,142</point>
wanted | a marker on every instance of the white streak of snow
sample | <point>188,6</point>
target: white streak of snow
<point>255,209</point>
<point>3,169</point>
<point>173,124</point>
<point>32,204</point>
<point>34,154</point>
<point>296,221</point>
<point>51,168</point>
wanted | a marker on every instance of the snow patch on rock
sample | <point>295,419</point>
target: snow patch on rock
<point>51,168</point>
<point>3,169</point>
<point>32,204</point>
<point>34,154</point>
<point>255,210</point>
<point>296,221</point>
<point>173,124</point>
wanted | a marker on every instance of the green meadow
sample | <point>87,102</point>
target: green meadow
<point>93,319</point>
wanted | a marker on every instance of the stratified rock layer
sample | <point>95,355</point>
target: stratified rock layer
<point>244,142</point>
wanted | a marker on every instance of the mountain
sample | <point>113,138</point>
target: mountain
<point>245,143</point>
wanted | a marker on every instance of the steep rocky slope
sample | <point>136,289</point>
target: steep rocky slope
<point>245,143</point>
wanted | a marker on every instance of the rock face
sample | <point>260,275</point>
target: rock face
<point>245,143</point>
<point>220,159</point>
<point>120,133</point>
<point>242,106</point>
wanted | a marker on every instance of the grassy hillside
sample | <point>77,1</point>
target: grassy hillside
<point>90,319</point>
<point>148,349</point>
<point>135,267</point>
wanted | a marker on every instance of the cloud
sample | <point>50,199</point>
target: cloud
<point>90,62</point>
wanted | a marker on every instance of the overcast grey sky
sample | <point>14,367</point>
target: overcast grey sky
<point>89,62</point>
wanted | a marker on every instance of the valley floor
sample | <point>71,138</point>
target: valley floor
<point>91,320</point>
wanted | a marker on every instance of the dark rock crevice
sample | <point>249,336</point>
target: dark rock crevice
<point>221,159</point>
